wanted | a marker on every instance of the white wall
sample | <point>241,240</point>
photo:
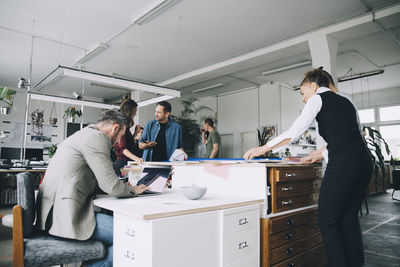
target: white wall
<point>390,96</point>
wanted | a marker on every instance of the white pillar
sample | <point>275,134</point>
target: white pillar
<point>323,50</point>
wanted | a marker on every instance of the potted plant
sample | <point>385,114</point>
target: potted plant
<point>374,141</point>
<point>7,96</point>
<point>71,112</point>
<point>190,125</point>
<point>263,136</point>
<point>52,150</point>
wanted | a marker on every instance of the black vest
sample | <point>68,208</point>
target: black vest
<point>337,123</point>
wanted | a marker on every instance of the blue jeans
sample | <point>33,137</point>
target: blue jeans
<point>104,233</point>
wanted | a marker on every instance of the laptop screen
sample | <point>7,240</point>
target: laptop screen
<point>155,178</point>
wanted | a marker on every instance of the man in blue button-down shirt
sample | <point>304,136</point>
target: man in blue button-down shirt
<point>161,136</point>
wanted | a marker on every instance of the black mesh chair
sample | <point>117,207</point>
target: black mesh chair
<point>34,248</point>
<point>396,183</point>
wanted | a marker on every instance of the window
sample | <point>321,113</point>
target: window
<point>389,113</point>
<point>392,137</point>
<point>366,115</point>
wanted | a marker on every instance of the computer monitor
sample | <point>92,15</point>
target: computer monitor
<point>14,153</point>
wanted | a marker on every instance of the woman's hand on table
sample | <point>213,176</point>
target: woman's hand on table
<point>312,157</point>
<point>139,160</point>
<point>255,152</point>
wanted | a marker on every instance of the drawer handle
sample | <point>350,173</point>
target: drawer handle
<point>243,245</point>
<point>243,221</point>
<point>290,175</point>
<point>130,255</point>
<point>289,251</point>
<point>288,236</point>
<point>291,264</point>
<point>287,203</point>
<point>290,222</point>
<point>130,232</point>
<point>287,188</point>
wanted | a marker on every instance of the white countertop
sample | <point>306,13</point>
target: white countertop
<point>170,203</point>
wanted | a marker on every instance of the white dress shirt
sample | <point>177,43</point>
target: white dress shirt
<point>303,122</point>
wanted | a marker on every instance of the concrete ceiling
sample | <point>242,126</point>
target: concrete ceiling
<point>190,36</point>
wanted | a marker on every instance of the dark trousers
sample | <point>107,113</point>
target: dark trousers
<point>342,191</point>
<point>118,164</point>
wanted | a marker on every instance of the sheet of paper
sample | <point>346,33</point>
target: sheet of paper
<point>158,184</point>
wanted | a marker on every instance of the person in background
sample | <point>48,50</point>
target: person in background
<point>161,136</point>
<point>322,152</point>
<point>213,141</point>
<point>348,171</point>
<point>137,151</point>
<point>81,163</point>
<point>125,150</point>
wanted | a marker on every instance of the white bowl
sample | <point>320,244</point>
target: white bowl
<point>193,192</point>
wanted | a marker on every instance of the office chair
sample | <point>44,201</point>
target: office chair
<point>34,248</point>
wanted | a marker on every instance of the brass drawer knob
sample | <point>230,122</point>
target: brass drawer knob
<point>288,236</point>
<point>289,251</point>
<point>290,175</point>
<point>287,203</point>
<point>287,188</point>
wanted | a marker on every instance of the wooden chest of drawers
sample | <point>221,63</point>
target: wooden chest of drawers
<point>292,240</point>
<point>293,188</point>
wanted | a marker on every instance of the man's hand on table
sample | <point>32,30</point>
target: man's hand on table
<point>139,188</point>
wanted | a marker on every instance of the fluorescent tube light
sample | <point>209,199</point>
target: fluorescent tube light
<point>93,53</point>
<point>70,101</point>
<point>208,87</point>
<point>155,9</point>
<point>110,87</point>
<point>290,67</point>
<point>62,71</point>
<point>360,75</point>
<point>154,100</point>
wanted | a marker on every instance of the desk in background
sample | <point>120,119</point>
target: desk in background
<point>8,182</point>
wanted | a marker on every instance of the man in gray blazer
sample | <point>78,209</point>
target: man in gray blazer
<point>82,162</point>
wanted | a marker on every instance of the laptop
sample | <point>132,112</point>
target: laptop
<point>155,177</point>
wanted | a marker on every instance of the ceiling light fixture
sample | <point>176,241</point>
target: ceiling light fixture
<point>360,75</point>
<point>208,87</point>
<point>70,101</point>
<point>155,9</point>
<point>290,67</point>
<point>101,47</point>
<point>109,80</point>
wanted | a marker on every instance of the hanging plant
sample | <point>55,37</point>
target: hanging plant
<point>37,122</point>
<point>71,112</point>
<point>7,95</point>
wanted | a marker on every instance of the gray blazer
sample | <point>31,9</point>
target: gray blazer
<point>82,162</point>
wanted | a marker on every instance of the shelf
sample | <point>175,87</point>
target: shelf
<point>305,145</point>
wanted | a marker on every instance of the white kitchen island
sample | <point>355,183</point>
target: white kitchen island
<point>171,230</point>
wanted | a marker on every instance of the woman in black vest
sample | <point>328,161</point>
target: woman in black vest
<point>348,171</point>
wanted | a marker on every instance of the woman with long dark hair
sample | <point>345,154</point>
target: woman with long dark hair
<point>348,171</point>
<point>124,149</point>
